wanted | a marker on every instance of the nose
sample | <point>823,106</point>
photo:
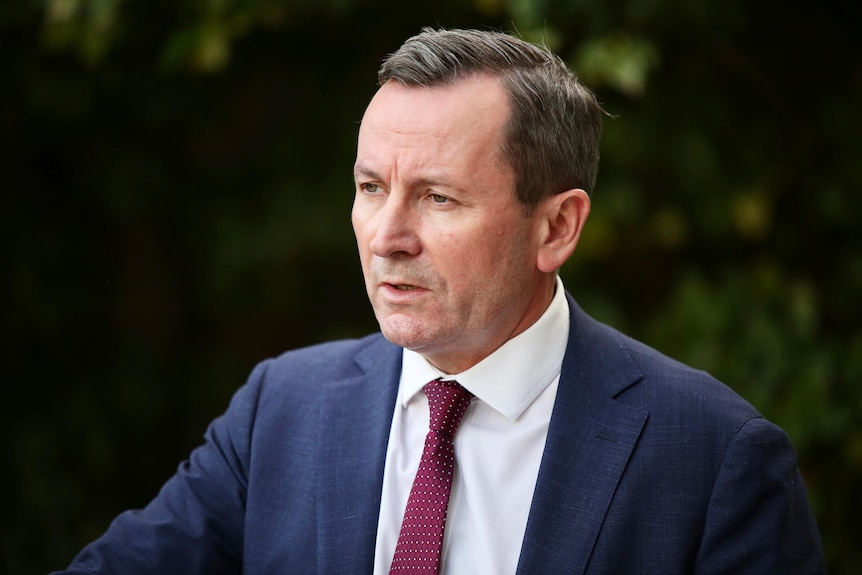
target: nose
<point>394,228</point>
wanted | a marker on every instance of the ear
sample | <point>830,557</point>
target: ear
<point>561,218</point>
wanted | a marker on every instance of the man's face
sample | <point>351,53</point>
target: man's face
<point>448,253</point>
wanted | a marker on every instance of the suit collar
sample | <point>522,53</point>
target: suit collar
<point>353,434</point>
<point>597,356</point>
<point>590,439</point>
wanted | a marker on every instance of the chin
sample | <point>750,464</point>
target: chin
<point>399,338</point>
<point>404,331</point>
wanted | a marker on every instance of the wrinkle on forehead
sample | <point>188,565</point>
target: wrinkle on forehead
<point>446,125</point>
<point>472,101</point>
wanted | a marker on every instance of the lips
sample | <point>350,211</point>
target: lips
<point>401,291</point>
<point>402,284</point>
<point>402,287</point>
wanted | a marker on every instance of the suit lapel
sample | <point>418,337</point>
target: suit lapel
<point>590,439</point>
<point>356,414</point>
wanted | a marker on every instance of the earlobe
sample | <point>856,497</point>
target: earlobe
<point>563,218</point>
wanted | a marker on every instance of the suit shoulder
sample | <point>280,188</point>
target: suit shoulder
<point>324,361</point>
<point>666,382</point>
<point>291,382</point>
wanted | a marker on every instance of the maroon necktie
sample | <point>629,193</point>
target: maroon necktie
<point>421,537</point>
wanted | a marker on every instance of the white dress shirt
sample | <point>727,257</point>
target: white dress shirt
<point>498,447</point>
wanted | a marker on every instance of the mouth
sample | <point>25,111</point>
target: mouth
<point>403,289</point>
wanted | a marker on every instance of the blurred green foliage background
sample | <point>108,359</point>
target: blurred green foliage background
<point>176,187</point>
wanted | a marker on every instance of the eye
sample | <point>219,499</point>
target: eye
<point>369,188</point>
<point>438,199</point>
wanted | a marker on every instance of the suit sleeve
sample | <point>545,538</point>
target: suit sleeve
<point>759,520</point>
<point>195,524</point>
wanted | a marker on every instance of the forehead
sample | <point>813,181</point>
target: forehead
<point>447,125</point>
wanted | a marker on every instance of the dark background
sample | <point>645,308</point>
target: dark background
<point>176,188</point>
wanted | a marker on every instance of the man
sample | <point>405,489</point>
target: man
<point>575,450</point>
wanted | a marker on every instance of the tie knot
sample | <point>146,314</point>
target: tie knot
<point>447,402</point>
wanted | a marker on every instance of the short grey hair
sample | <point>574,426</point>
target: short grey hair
<point>554,131</point>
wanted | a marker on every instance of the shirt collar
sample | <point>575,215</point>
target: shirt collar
<point>514,375</point>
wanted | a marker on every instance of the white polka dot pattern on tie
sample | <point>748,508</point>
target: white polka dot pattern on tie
<point>421,538</point>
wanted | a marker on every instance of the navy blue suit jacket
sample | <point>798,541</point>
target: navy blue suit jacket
<point>650,467</point>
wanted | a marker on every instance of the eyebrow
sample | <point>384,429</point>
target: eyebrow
<point>435,180</point>
<point>360,169</point>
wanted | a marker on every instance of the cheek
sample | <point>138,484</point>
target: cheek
<point>504,262</point>
<point>360,232</point>
<point>359,218</point>
<point>477,267</point>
